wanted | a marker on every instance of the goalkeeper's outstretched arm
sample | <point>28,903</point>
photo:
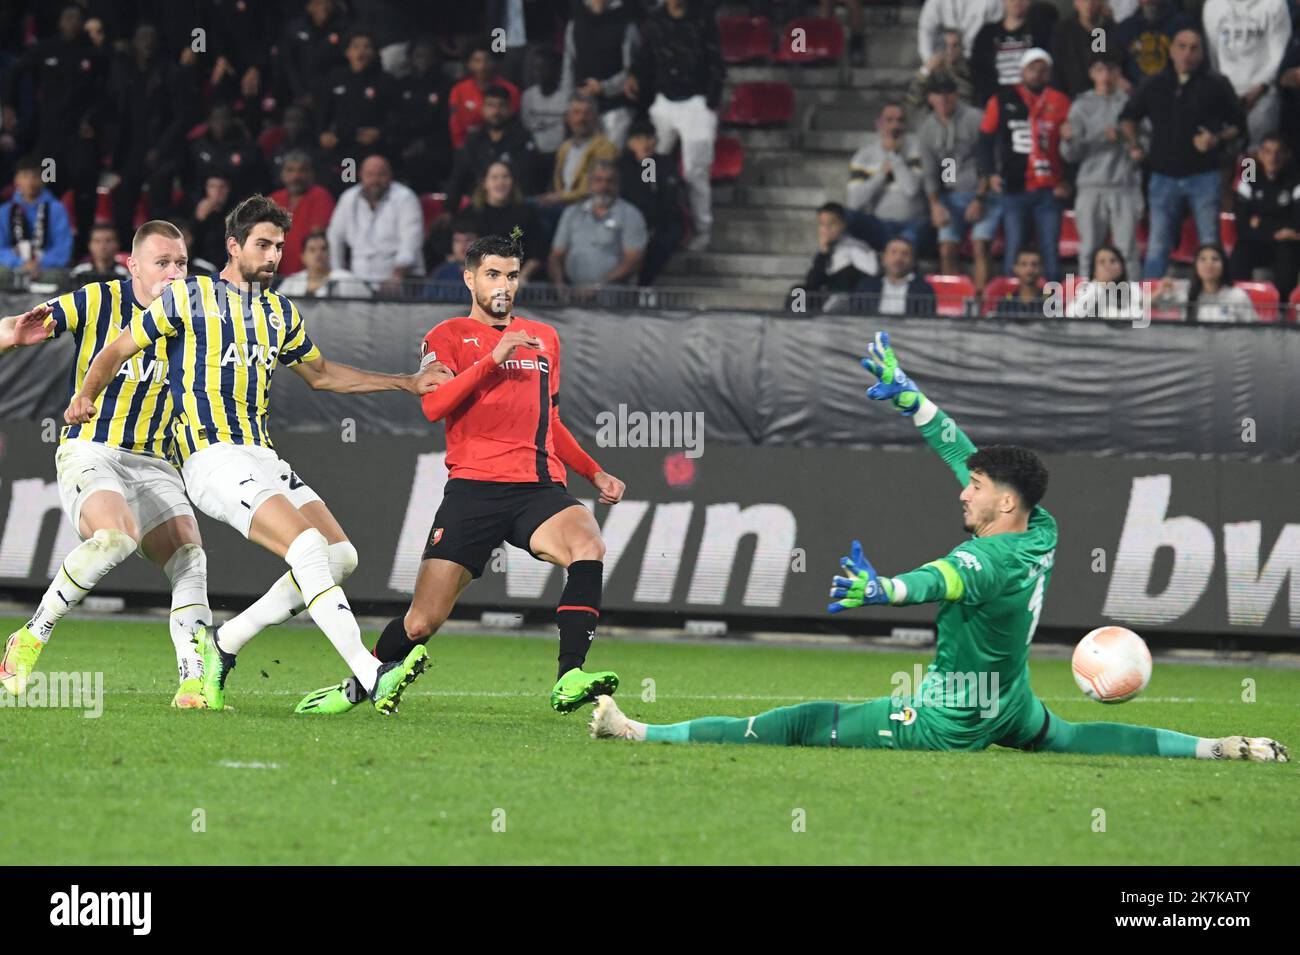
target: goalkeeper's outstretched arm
<point>940,431</point>
<point>934,582</point>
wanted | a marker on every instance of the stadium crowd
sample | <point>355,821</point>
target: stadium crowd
<point>398,132</point>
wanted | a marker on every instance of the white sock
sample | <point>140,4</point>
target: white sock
<point>282,601</point>
<point>1205,748</point>
<point>308,558</point>
<point>636,731</point>
<point>188,571</point>
<point>85,565</point>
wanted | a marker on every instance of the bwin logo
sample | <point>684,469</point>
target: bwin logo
<point>103,908</point>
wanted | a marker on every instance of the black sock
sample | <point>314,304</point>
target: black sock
<point>578,612</point>
<point>393,644</point>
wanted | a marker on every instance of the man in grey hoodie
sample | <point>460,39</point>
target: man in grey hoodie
<point>1109,182</point>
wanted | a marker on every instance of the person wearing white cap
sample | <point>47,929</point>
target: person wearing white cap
<point>1020,158</point>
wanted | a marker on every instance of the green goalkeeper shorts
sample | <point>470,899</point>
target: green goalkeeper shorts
<point>895,723</point>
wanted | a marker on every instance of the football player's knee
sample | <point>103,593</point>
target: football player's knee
<point>591,547</point>
<point>422,624</point>
<point>343,561</point>
<point>116,545</point>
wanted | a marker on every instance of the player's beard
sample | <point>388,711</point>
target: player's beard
<point>498,306</point>
<point>258,279</point>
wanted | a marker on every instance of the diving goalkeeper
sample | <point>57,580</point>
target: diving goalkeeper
<point>991,590</point>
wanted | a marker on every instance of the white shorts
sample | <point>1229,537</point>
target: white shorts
<point>151,487</point>
<point>229,482</point>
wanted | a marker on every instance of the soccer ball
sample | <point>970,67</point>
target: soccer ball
<point>1111,665</point>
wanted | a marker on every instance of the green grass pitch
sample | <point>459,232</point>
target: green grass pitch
<point>476,750</point>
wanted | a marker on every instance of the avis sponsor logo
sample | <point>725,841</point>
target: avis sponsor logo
<point>76,907</point>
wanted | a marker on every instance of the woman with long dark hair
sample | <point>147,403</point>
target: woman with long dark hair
<point>1210,295</point>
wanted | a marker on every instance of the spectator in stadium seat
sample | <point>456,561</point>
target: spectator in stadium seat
<point>377,229</point>
<point>209,218</point>
<point>1074,46</point>
<point>225,149</point>
<point>967,15</point>
<point>312,47</point>
<point>501,137</point>
<point>1108,293</point>
<point>948,60</point>
<point>949,144</point>
<point>1246,44</point>
<point>102,265</point>
<point>1288,85</point>
<point>447,281</point>
<point>1029,298</point>
<point>466,113</point>
<point>1144,39</point>
<point>240,41</point>
<point>1000,45</point>
<point>600,241</point>
<point>577,157</point>
<point>150,128</point>
<point>198,265</point>
<point>659,197</point>
<point>897,290</point>
<point>355,103</point>
<point>1108,182</point>
<point>679,61</point>
<point>68,75</point>
<point>1025,171</point>
<point>316,279</point>
<point>1193,113</point>
<point>599,44</point>
<point>311,205</point>
<point>545,104</point>
<point>1268,218</point>
<point>499,207</point>
<point>1209,296</point>
<point>885,194</point>
<point>840,265</point>
<point>297,135</point>
<point>419,120</point>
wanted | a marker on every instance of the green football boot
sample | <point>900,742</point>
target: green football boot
<point>328,700</point>
<point>217,664</point>
<point>577,687</point>
<point>19,660</point>
<point>394,678</point>
<point>190,695</point>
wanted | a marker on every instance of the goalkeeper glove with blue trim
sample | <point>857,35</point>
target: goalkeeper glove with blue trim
<point>863,585</point>
<point>894,384</point>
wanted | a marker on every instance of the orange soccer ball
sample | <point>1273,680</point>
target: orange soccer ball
<point>1111,665</point>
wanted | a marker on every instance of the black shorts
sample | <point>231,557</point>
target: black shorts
<point>476,516</point>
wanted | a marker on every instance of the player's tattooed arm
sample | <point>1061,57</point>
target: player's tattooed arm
<point>29,328</point>
<point>324,375</point>
<point>101,371</point>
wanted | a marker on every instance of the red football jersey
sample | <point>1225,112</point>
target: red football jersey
<point>505,429</point>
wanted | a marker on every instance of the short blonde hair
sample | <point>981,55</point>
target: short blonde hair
<point>155,227</point>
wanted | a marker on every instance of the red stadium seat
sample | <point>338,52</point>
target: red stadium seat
<point>103,205</point>
<point>1227,231</point>
<point>1167,313</point>
<point>1293,313</point>
<point>1068,245</point>
<point>432,204</point>
<point>745,39</point>
<point>1264,296</point>
<point>760,104</point>
<point>728,159</point>
<point>999,287</point>
<point>951,293</point>
<point>811,40</point>
<point>1188,243</point>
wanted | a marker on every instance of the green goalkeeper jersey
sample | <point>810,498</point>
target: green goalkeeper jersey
<point>992,590</point>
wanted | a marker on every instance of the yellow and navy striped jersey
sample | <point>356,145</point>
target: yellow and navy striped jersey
<point>222,348</point>
<point>134,412</point>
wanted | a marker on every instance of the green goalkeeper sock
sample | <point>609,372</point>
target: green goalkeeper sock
<point>1119,739</point>
<point>807,724</point>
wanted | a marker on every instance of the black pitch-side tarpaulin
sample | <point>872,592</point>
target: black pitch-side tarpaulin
<point>1187,546</point>
<point>775,381</point>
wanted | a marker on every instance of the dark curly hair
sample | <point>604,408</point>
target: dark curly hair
<point>256,208</point>
<point>1017,468</point>
<point>506,246</point>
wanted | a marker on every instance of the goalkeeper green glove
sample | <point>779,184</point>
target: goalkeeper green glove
<point>894,383</point>
<point>863,585</point>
